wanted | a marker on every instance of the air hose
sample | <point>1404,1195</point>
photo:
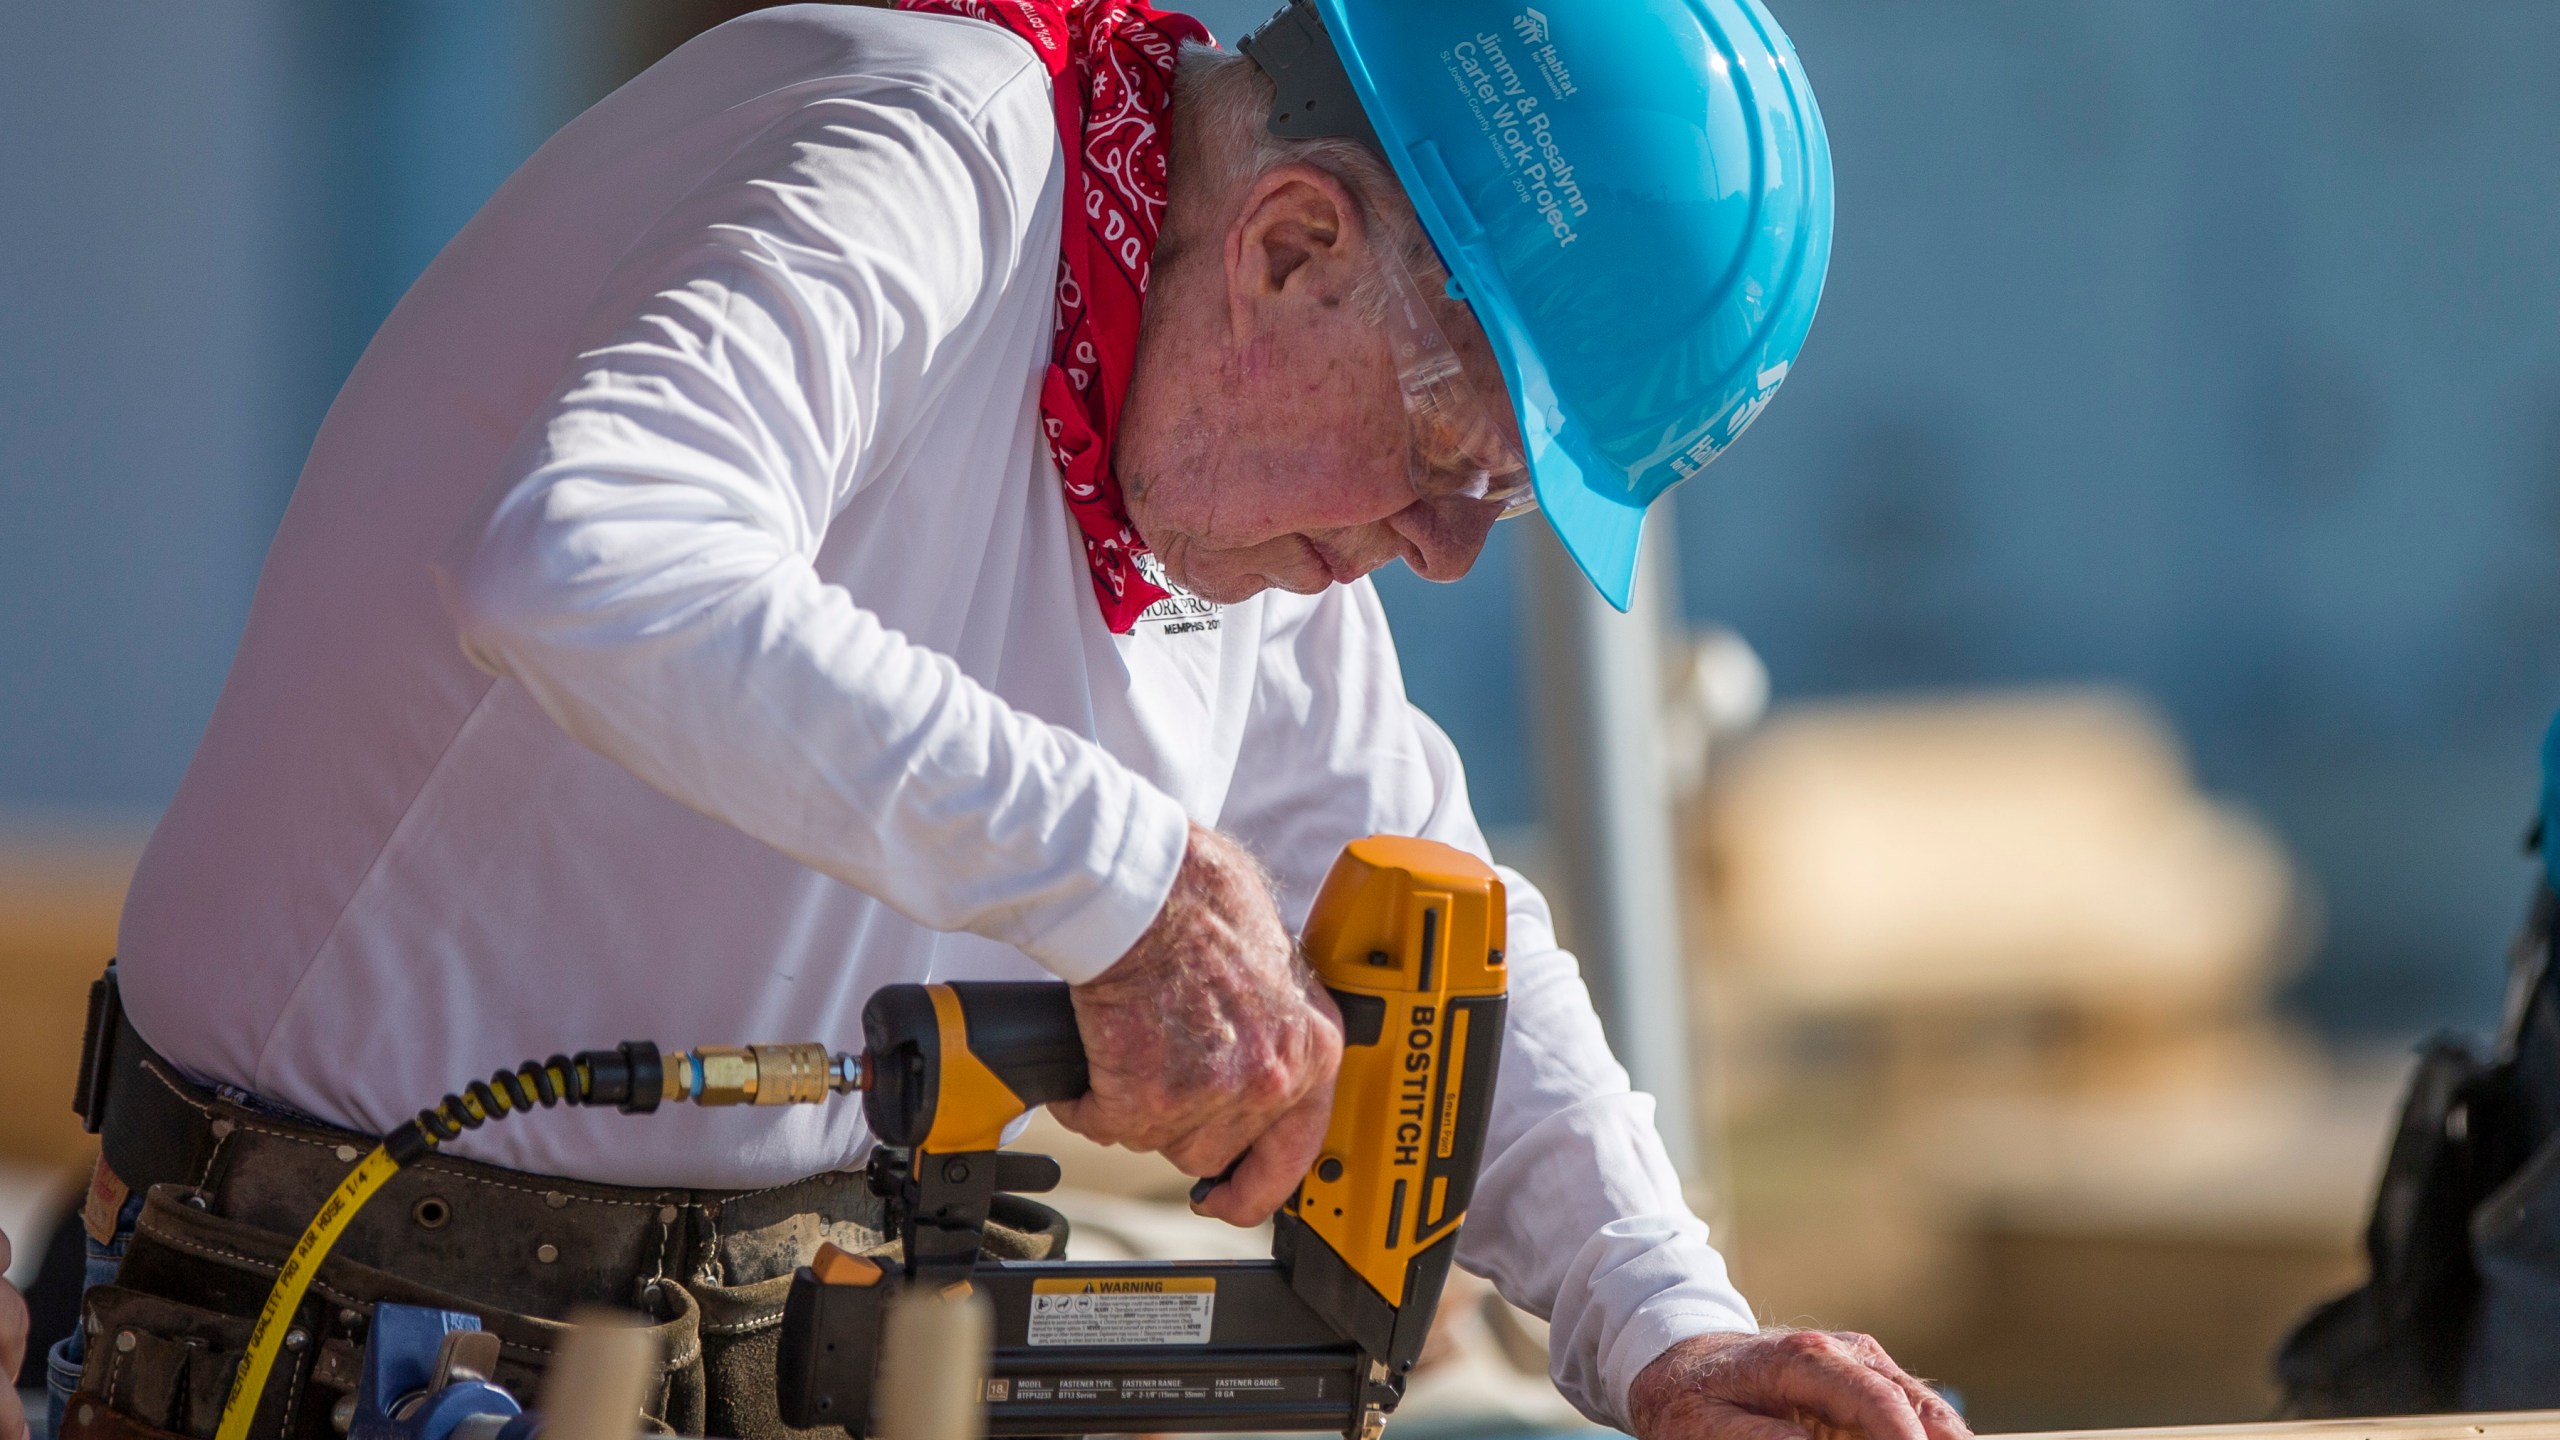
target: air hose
<point>633,1078</point>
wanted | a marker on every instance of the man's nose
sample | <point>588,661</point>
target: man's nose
<point>1444,537</point>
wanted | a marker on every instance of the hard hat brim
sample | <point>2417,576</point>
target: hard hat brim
<point>1599,529</point>
<point>1602,535</point>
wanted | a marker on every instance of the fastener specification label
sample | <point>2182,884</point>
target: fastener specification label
<point>1170,1311</point>
<point>1039,1390</point>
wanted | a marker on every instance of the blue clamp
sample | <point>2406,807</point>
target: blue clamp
<point>394,1400</point>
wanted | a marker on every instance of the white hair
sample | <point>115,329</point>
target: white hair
<point>1226,101</point>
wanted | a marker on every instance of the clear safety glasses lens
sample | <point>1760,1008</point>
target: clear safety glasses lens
<point>1462,448</point>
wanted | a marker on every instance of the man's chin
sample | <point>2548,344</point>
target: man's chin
<point>1298,566</point>
<point>1217,589</point>
<point>1234,587</point>
<point>1242,588</point>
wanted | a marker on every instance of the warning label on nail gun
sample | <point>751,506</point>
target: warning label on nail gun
<point>1172,1310</point>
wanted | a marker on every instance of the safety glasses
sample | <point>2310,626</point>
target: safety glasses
<point>1462,447</point>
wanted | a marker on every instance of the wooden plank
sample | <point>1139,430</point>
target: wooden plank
<point>2504,1425</point>
<point>60,893</point>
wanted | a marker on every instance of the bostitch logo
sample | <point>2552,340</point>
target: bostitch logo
<point>1539,36</point>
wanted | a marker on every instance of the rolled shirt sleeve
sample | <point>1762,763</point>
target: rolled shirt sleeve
<point>645,569</point>
<point>1578,1215</point>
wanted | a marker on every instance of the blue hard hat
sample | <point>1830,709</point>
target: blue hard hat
<point>1634,196</point>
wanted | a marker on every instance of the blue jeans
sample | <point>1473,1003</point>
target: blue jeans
<point>62,1363</point>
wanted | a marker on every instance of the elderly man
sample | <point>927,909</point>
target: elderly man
<point>772,553</point>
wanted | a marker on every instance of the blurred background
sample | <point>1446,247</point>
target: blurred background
<point>2101,696</point>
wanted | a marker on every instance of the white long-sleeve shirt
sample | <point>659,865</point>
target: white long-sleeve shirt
<point>679,631</point>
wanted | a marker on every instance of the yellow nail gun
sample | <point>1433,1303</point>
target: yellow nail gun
<point>1408,937</point>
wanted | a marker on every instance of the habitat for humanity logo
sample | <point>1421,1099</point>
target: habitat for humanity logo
<point>1536,33</point>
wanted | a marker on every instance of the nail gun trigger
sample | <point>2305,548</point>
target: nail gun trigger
<point>886,1172</point>
<point>1203,1189</point>
<point>1023,1173</point>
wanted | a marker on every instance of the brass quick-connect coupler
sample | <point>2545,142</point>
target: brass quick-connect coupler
<point>762,1074</point>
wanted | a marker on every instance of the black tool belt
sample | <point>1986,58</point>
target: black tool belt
<point>231,1186</point>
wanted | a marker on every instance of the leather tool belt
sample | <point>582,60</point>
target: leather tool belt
<point>229,1188</point>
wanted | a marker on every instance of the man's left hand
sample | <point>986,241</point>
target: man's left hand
<point>1785,1385</point>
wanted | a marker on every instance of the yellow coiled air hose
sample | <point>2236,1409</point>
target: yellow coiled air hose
<point>633,1079</point>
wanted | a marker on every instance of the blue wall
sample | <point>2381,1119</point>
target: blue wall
<point>140,332</point>
<point>211,207</point>
<point>2201,348</point>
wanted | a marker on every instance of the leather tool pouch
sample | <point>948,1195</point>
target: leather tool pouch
<point>166,1336</point>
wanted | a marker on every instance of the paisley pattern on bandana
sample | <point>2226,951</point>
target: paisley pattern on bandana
<point>1111,68</point>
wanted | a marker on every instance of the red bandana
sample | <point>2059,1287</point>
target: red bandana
<point>1111,67</point>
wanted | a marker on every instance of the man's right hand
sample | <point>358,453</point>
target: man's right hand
<point>1211,1040</point>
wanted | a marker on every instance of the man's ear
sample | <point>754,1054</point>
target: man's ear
<point>1296,242</point>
